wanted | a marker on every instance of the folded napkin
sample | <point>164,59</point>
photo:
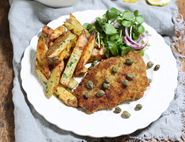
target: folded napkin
<point>26,17</point>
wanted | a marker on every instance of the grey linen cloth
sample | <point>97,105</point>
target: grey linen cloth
<point>26,17</point>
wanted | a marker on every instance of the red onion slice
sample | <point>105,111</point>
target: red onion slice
<point>134,44</point>
<point>131,44</point>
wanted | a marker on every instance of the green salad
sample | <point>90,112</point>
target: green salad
<point>119,32</point>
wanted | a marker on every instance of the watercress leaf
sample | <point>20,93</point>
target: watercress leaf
<point>91,28</point>
<point>113,13</point>
<point>141,29</point>
<point>141,52</point>
<point>128,15</point>
<point>119,19</point>
<point>101,20</point>
<point>126,23</point>
<point>125,50</point>
<point>115,38</point>
<point>109,29</point>
<point>85,25</point>
<point>99,23</point>
<point>135,36</point>
<point>136,13</point>
<point>139,19</point>
<point>113,48</point>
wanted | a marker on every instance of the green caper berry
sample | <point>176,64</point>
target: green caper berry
<point>90,85</point>
<point>125,115</point>
<point>156,67</point>
<point>130,76</point>
<point>117,110</point>
<point>100,93</point>
<point>86,95</point>
<point>105,85</point>
<point>129,62</point>
<point>125,83</point>
<point>149,65</point>
<point>114,70</point>
<point>138,107</point>
<point>94,63</point>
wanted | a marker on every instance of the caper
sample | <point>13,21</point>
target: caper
<point>90,85</point>
<point>129,62</point>
<point>125,83</point>
<point>114,70</point>
<point>130,76</point>
<point>138,107</point>
<point>105,85</point>
<point>86,95</point>
<point>94,63</point>
<point>117,110</point>
<point>149,65</point>
<point>100,93</point>
<point>156,67</point>
<point>125,115</point>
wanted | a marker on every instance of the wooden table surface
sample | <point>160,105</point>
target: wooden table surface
<point>6,73</point>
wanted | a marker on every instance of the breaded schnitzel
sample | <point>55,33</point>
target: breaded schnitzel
<point>111,82</point>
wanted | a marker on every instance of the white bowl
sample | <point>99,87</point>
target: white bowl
<point>57,3</point>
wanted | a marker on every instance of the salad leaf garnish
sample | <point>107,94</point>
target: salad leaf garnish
<point>110,30</point>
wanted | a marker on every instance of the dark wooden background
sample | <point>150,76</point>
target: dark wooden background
<point>6,73</point>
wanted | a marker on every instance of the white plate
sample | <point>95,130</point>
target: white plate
<point>105,123</point>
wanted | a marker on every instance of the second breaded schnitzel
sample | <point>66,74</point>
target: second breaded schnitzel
<point>111,82</point>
